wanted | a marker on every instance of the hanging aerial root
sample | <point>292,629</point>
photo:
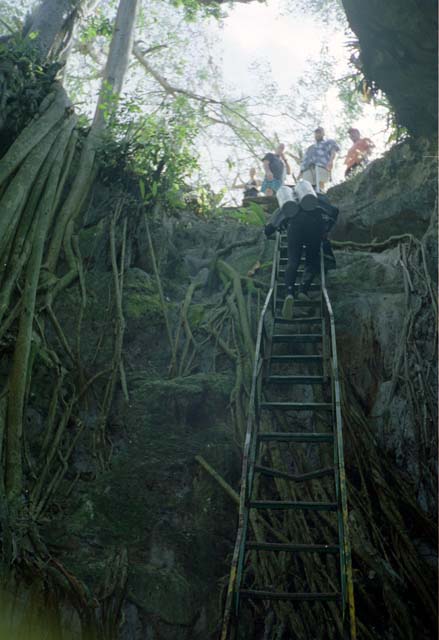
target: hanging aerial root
<point>372,246</point>
<point>234,277</point>
<point>183,322</point>
<point>19,373</point>
<point>52,110</point>
<point>119,330</point>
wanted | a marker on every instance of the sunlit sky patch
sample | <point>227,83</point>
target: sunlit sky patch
<point>264,51</point>
<point>285,45</point>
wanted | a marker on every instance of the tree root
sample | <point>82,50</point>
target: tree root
<point>372,246</point>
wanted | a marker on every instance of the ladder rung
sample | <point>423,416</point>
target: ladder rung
<point>299,303</point>
<point>282,272</point>
<point>283,246</point>
<point>292,548</point>
<point>298,320</point>
<point>297,597</point>
<point>295,437</point>
<point>283,255</point>
<point>297,406</point>
<point>296,358</point>
<point>296,337</point>
<point>284,249</point>
<point>301,477</point>
<point>293,504</point>
<point>295,380</point>
<point>314,286</point>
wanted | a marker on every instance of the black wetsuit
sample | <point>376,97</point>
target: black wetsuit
<point>251,189</point>
<point>309,230</point>
<point>330,215</point>
<point>306,229</point>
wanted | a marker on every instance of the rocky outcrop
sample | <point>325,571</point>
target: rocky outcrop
<point>398,43</point>
<point>394,195</point>
<point>153,503</point>
<point>155,499</point>
<point>376,290</point>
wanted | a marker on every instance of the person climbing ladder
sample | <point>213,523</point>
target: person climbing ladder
<point>309,217</point>
<point>305,230</point>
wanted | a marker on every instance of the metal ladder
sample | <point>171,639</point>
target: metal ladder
<point>246,550</point>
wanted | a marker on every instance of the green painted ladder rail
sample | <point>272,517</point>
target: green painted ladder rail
<point>296,347</point>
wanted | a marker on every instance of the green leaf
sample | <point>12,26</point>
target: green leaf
<point>142,188</point>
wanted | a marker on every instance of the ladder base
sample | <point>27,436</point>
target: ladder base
<point>296,597</point>
<point>292,548</point>
<point>302,477</point>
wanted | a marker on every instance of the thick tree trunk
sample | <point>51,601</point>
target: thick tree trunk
<point>114,76</point>
<point>53,21</point>
<point>118,57</point>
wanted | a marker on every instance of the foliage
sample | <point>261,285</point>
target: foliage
<point>253,214</point>
<point>12,15</point>
<point>395,132</point>
<point>351,93</point>
<point>193,8</point>
<point>96,25</point>
<point>156,148</point>
<point>326,10</point>
<point>202,201</point>
<point>355,89</point>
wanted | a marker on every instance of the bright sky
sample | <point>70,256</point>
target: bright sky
<point>260,31</point>
<point>285,45</point>
<point>274,42</point>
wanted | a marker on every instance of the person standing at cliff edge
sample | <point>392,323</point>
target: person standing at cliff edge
<point>274,174</point>
<point>280,153</point>
<point>318,160</point>
<point>250,187</point>
<point>358,154</point>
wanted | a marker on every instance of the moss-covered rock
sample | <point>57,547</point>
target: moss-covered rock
<point>164,593</point>
<point>192,399</point>
<point>141,299</point>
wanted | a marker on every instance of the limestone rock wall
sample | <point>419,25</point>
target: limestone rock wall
<point>178,524</point>
<point>394,195</point>
<point>154,501</point>
<point>398,43</point>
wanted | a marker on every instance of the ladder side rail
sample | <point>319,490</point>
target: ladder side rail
<point>254,401</point>
<point>247,465</point>
<point>274,272</point>
<point>345,550</point>
<point>326,348</point>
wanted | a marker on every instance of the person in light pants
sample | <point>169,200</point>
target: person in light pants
<point>318,161</point>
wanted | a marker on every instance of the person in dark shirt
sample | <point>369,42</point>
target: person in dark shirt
<point>274,174</point>
<point>250,187</point>
<point>307,230</point>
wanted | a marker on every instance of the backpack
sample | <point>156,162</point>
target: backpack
<point>329,212</point>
